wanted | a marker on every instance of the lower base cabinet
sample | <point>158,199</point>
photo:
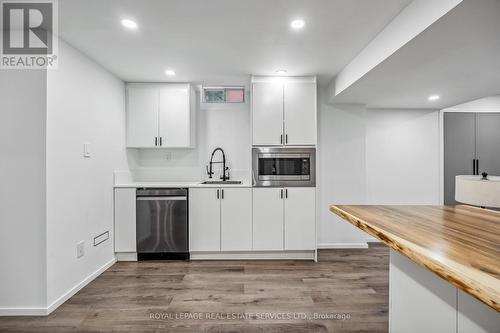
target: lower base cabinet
<point>300,218</point>
<point>236,219</point>
<point>284,218</point>
<point>220,219</point>
<point>204,219</point>
<point>125,211</point>
<point>268,219</point>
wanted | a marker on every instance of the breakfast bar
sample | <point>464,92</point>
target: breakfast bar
<point>444,264</point>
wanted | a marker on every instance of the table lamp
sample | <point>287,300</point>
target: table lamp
<point>483,191</point>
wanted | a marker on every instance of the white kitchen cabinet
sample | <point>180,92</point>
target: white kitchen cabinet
<point>204,219</point>
<point>267,113</point>
<point>267,219</point>
<point>236,219</point>
<point>220,219</point>
<point>160,116</point>
<point>284,111</point>
<point>300,113</point>
<point>284,218</point>
<point>125,213</point>
<point>175,116</point>
<point>300,218</point>
<point>142,116</point>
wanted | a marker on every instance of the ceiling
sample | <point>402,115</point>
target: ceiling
<point>223,41</point>
<point>457,57</point>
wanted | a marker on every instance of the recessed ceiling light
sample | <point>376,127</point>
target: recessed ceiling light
<point>129,24</point>
<point>433,97</point>
<point>297,24</point>
<point>281,71</point>
<point>169,72</point>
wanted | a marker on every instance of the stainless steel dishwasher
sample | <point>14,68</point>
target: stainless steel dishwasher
<point>162,223</point>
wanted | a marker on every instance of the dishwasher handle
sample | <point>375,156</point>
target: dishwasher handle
<point>161,198</point>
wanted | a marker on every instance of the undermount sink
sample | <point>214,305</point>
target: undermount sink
<point>219,182</point>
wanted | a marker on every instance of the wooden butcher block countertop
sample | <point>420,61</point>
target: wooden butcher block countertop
<point>461,244</point>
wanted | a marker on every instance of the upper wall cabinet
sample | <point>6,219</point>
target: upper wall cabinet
<point>284,111</point>
<point>160,116</point>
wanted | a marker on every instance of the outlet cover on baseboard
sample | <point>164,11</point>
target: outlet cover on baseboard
<point>80,249</point>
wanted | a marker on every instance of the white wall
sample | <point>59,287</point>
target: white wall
<point>85,103</point>
<point>22,194</point>
<point>369,156</point>
<point>341,171</point>
<point>218,125</point>
<point>402,157</point>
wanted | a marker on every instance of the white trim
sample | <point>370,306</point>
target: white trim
<point>23,312</point>
<point>362,245</point>
<point>371,239</point>
<point>126,256</point>
<point>254,255</point>
<point>58,302</point>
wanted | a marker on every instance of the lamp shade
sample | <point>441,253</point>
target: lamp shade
<point>474,190</point>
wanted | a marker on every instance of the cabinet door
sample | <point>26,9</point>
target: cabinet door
<point>300,113</point>
<point>204,219</point>
<point>459,150</point>
<point>142,116</point>
<point>267,113</point>
<point>175,116</point>
<point>267,219</point>
<point>488,142</point>
<point>300,218</point>
<point>125,221</point>
<point>236,219</point>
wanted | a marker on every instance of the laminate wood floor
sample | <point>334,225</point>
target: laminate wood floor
<point>347,288</point>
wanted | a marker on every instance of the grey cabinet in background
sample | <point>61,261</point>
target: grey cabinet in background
<point>471,146</point>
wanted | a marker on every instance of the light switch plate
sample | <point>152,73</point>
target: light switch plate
<point>80,249</point>
<point>86,149</point>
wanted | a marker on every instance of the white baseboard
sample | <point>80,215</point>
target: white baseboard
<point>46,311</point>
<point>254,255</point>
<point>23,312</point>
<point>126,256</point>
<point>79,286</point>
<point>362,245</point>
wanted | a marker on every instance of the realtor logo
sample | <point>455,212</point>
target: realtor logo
<point>28,40</point>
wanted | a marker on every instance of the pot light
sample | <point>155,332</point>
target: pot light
<point>297,24</point>
<point>169,72</point>
<point>281,71</point>
<point>129,24</point>
<point>433,97</point>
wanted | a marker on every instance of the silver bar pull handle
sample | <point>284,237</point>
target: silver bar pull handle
<point>161,198</point>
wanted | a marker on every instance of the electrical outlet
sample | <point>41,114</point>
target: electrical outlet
<point>80,249</point>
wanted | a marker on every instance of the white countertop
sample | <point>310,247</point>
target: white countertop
<point>177,184</point>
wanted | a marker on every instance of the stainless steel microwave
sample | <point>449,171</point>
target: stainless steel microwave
<point>277,167</point>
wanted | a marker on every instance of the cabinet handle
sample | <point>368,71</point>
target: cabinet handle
<point>281,193</point>
<point>477,166</point>
<point>474,166</point>
<point>156,141</point>
<point>222,194</point>
<point>286,138</point>
<point>160,141</point>
<point>286,193</point>
<point>281,138</point>
<point>217,194</point>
